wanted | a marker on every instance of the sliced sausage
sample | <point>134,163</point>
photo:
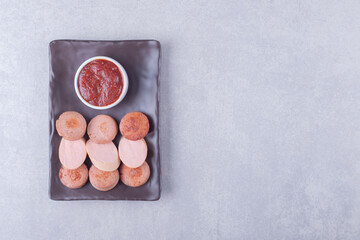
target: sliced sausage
<point>104,156</point>
<point>134,177</point>
<point>134,126</point>
<point>102,129</point>
<point>132,153</point>
<point>72,153</point>
<point>74,178</point>
<point>71,125</point>
<point>103,180</point>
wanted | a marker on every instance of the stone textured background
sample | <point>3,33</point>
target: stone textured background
<point>260,128</point>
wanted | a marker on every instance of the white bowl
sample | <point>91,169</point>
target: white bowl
<point>124,79</point>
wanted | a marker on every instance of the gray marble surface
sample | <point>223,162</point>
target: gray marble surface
<point>260,119</point>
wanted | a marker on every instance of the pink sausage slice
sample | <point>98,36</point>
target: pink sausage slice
<point>104,156</point>
<point>132,153</point>
<point>72,153</point>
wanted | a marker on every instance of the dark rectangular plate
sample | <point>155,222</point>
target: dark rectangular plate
<point>141,59</point>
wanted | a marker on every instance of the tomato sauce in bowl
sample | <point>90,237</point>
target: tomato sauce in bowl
<point>101,82</point>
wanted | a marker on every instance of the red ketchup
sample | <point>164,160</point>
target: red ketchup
<point>100,82</point>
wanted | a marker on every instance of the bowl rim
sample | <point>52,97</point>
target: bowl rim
<point>124,78</point>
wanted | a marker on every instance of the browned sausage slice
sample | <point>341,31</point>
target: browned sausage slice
<point>134,126</point>
<point>102,129</point>
<point>134,177</point>
<point>103,180</point>
<point>71,125</point>
<point>74,178</point>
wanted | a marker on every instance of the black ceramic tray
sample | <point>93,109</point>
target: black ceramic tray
<point>141,59</point>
